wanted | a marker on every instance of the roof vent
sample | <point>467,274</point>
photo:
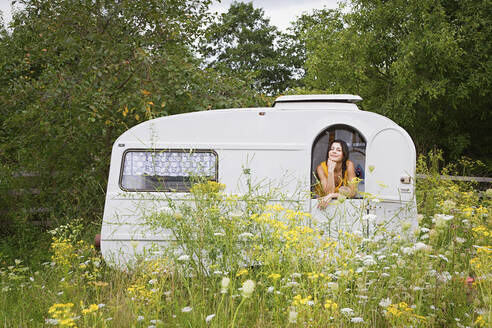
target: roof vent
<point>317,102</point>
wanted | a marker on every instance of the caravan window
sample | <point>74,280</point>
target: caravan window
<point>357,151</point>
<point>166,170</point>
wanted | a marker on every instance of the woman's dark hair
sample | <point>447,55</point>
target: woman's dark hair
<point>345,152</point>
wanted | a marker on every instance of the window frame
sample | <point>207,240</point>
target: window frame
<point>329,128</point>
<point>170,150</point>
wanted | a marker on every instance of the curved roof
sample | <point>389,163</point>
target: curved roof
<point>250,128</point>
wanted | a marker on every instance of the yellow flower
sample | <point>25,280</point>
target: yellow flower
<point>274,276</point>
<point>92,308</point>
<point>242,272</point>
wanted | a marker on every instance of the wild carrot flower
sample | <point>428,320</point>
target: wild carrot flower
<point>248,288</point>
<point>224,284</point>
<point>186,309</point>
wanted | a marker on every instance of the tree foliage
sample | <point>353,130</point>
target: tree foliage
<point>425,64</point>
<point>244,42</point>
<point>76,74</point>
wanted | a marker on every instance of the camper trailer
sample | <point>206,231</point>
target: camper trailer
<point>280,146</point>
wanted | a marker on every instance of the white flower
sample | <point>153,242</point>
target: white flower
<point>32,279</point>
<point>385,302</point>
<point>424,229</point>
<point>444,276</point>
<point>209,317</point>
<point>460,240</point>
<point>184,257</point>
<point>357,320</point>
<point>101,305</point>
<point>17,261</point>
<point>292,316</point>
<point>443,257</point>
<point>219,234</point>
<point>224,284</point>
<point>270,289</point>
<point>347,311</point>
<point>368,260</point>
<point>186,309</point>
<point>441,219</point>
<point>140,318</point>
<point>296,275</point>
<point>420,246</point>
<point>291,284</point>
<point>53,322</point>
<point>245,235</point>
<point>369,217</point>
<point>153,281</point>
<point>156,321</point>
<point>248,288</point>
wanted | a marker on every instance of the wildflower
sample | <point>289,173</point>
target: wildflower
<point>242,272</point>
<point>186,309</point>
<point>156,321</point>
<point>274,276</point>
<point>248,288</point>
<point>357,320</point>
<point>101,305</point>
<point>224,284</point>
<point>369,260</point>
<point>442,219</point>
<point>209,317</point>
<point>140,318</point>
<point>291,284</point>
<point>245,235</point>
<point>347,311</point>
<point>184,258</point>
<point>460,240</point>
<point>219,234</point>
<point>369,217</point>
<point>92,308</point>
<point>50,321</point>
<point>270,289</point>
<point>292,316</point>
<point>385,302</point>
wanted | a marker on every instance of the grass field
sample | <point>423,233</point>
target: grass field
<point>437,276</point>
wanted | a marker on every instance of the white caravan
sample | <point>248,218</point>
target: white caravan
<point>280,146</point>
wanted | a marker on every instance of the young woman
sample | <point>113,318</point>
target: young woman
<point>336,174</point>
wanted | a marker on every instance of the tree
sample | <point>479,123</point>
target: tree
<point>76,74</point>
<point>425,64</point>
<point>244,43</point>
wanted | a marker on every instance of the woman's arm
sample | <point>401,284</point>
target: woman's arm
<point>351,179</point>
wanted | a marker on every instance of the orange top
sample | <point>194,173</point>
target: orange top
<point>343,182</point>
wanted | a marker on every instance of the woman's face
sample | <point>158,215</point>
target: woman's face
<point>336,152</point>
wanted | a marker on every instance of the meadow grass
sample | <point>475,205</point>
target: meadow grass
<point>263,265</point>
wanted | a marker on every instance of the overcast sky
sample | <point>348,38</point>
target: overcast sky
<point>280,12</point>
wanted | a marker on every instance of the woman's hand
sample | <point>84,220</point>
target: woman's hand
<point>324,201</point>
<point>331,165</point>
